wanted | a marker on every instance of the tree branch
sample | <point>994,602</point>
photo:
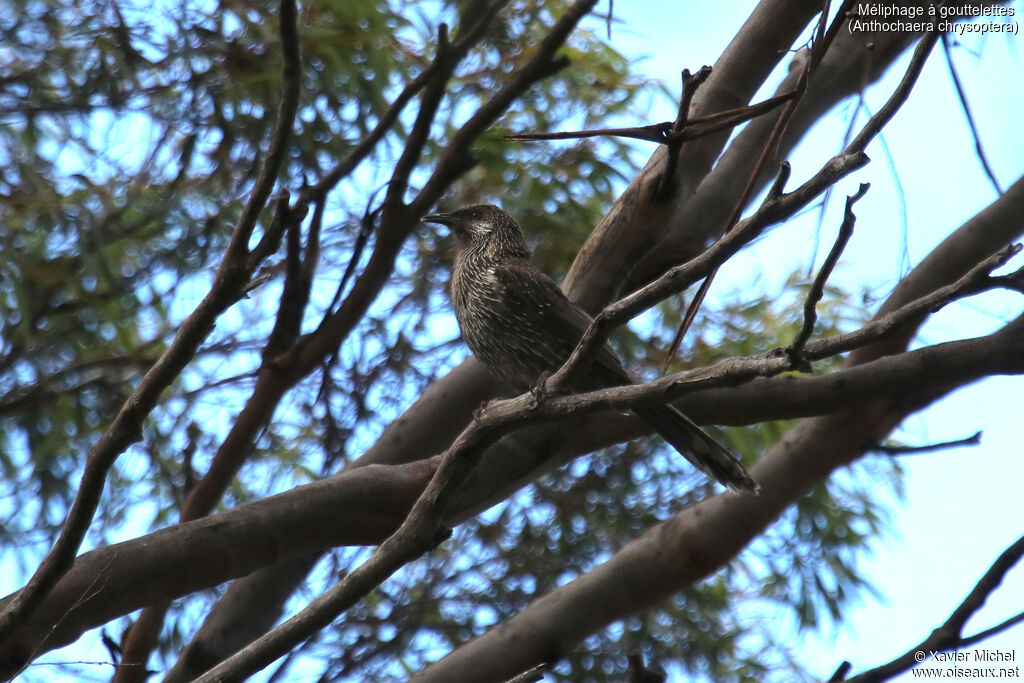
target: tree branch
<point>420,531</point>
<point>882,117</point>
<point>542,64</point>
<point>770,150</point>
<point>949,636</point>
<point>468,38</point>
<point>398,220</point>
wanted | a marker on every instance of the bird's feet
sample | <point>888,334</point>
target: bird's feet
<point>480,410</point>
<point>539,391</point>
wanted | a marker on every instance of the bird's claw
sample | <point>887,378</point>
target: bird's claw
<point>539,391</point>
<point>480,410</point>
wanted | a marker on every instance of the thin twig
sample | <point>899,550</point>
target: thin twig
<point>295,293</point>
<point>735,371</point>
<point>366,225</point>
<point>661,133</point>
<point>882,117</point>
<point>962,96</point>
<point>655,132</point>
<point>531,675</point>
<point>840,672</point>
<point>691,82</point>
<point>795,350</point>
<point>544,63</point>
<point>972,440</point>
<point>420,132</point>
<point>975,281</point>
<point>995,630</point>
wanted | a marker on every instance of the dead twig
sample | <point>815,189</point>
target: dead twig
<point>691,82</point>
<point>973,440</point>
<point>795,350</point>
<point>662,133</point>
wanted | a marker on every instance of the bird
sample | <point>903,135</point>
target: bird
<point>520,324</point>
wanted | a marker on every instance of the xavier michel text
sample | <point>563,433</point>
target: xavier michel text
<point>972,656</point>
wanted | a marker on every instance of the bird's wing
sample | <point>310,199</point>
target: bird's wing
<point>525,286</point>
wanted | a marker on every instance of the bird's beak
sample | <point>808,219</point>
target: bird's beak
<point>442,218</point>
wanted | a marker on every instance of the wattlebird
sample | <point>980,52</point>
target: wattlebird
<point>518,322</point>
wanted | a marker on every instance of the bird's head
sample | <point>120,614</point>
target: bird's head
<point>485,227</point>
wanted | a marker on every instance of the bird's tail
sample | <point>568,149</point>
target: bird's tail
<point>705,453</point>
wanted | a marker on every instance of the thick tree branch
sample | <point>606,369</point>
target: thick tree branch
<point>635,225</point>
<point>419,532</point>
<point>846,70</point>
